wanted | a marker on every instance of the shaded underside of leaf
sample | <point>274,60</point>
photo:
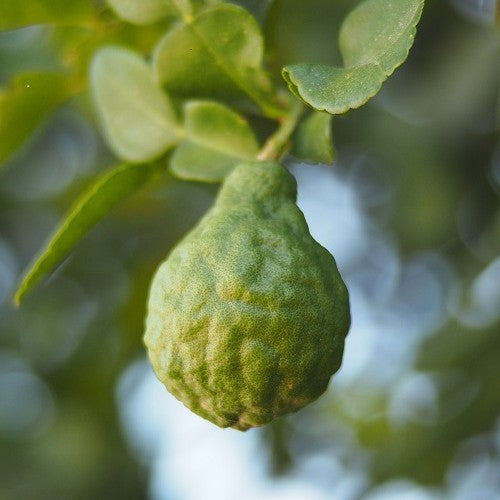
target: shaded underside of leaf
<point>216,140</point>
<point>92,206</point>
<point>137,117</point>
<point>18,13</point>
<point>25,104</point>
<point>313,139</point>
<point>375,39</point>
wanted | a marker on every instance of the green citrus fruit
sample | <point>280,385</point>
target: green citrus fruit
<point>248,314</point>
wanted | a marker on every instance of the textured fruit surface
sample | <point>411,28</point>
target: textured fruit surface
<point>248,314</point>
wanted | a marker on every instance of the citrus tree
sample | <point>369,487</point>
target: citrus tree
<point>195,108</point>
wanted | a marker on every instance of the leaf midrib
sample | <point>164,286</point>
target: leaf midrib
<point>234,76</point>
<point>219,149</point>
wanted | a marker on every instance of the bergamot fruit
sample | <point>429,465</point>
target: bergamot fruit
<point>248,314</point>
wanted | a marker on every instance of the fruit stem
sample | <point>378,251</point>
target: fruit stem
<point>277,142</point>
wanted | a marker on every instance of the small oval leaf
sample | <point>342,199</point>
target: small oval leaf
<point>142,11</point>
<point>313,139</point>
<point>335,90</point>
<point>93,205</point>
<point>138,119</point>
<point>217,139</point>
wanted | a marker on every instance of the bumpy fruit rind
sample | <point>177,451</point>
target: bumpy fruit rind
<point>248,314</point>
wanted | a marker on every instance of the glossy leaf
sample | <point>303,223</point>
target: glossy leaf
<point>374,40</point>
<point>25,104</point>
<point>137,117</point>
<point>218,54</point>
<point>18,13</point>
<point>313,139</point>
<point>92,206</point>
<point>217,139</point>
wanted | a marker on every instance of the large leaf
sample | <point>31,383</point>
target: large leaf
<point>138,119</point>
<point>17,13</point>
<point>374,40</point>
<point>25,104</point>
<point>218,54</point>
<point>217,139</point>
<point>92,206</point>
<point>313,139</point>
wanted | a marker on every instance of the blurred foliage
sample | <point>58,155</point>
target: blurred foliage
<point>431,140</point>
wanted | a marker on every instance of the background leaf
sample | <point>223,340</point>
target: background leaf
<point>218,54</point>
<point>25,104</point>
<point>92,206</point>
<point>258,8</point>
<point>17,13</point>
<point>142,11</point>
<point>217,139</point>
<point>312,140</point>
<point>151,11</point>
<point>374,40</point>
<point>137,116</point>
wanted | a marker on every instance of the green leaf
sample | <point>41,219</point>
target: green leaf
<point>151,11</point>
<point>217,139</point>
<point>335,90</point>
<point>313,139</point>
<point>142,11</point>
<point>92,206</point>
<point>17,13</point>
<point>216,55</point>
<point>375,39</point>
<point>25,104</point>
<point>137,117</point>
<point>380,32</point>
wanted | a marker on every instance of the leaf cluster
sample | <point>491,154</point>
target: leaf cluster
<point>188,102</point>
